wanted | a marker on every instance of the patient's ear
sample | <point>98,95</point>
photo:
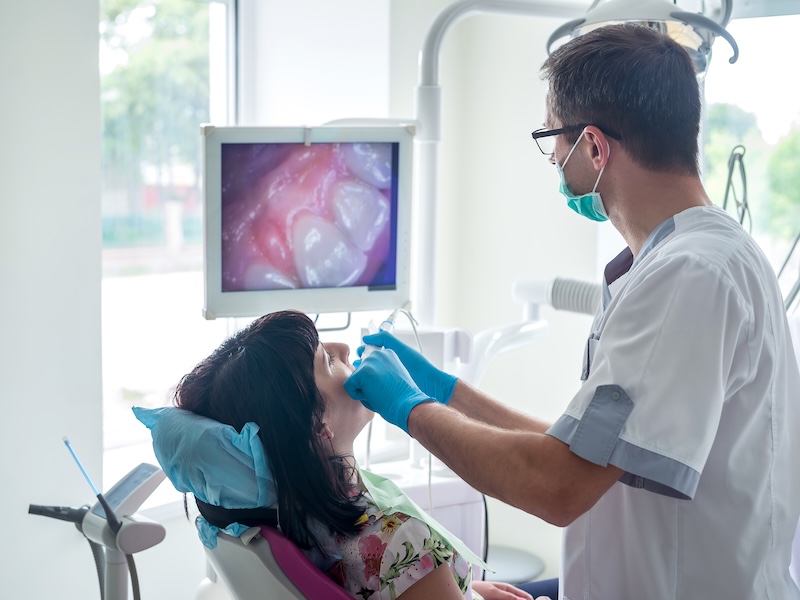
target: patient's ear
<point>325,432</point>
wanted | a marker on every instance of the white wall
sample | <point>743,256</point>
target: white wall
<point>313,61</point>
<point>50,301</point>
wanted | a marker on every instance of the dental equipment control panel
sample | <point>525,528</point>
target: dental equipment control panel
<point>134,532</point>
<point>130,488</point>
<point>113,528</point>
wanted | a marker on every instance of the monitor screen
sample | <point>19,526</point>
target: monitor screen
<point>312,219</point>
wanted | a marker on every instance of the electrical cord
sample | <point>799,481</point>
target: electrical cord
<point>100,565</point>
<point>795,289</point>
<point>414,324</point>
<point>134,577</point>
<point>100,562</point>
<point>742,207</point>
<point>485,556</point>
<point>789,255</point>
<point>390,322</point>
<point>369,444</point>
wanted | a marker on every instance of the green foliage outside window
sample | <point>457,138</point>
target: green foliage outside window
<point>773,170</point>
<point>153,100</point>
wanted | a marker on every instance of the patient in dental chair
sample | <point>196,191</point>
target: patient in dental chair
<point>277,375</point>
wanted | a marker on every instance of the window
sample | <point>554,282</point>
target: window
<point>165,68</point>
<point>753,104</point>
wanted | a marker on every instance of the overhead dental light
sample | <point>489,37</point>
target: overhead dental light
<point>694,31</point>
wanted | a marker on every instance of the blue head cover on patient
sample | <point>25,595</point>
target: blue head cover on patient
<point>213,461</point>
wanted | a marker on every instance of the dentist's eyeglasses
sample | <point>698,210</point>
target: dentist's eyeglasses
<point>546,141</point>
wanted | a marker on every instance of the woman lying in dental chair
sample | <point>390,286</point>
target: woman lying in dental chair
<point>277,375</point>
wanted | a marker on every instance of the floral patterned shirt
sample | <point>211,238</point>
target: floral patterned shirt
<point>390,554</point>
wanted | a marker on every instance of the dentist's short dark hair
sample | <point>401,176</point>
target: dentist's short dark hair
<point>636,82</point>
<point>265,374</point>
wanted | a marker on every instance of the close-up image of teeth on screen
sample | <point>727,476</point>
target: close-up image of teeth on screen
<point>308,216</point>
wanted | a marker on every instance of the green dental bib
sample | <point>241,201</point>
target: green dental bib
<point>391,499</point>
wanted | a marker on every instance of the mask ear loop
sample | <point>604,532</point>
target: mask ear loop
<point>575,145</point>
<point>603,168</point>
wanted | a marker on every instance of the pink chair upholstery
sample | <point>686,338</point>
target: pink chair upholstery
<point>270,566</point>
<point>312,582</point>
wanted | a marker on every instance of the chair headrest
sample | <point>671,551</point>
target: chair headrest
<point>213,461</point>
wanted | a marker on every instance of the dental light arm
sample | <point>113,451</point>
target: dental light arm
<point>428,102</point>
<point>487,344</point>
<point>429,95</point>
<point>429,55</point>
<point>560,293</point>
<point>428,114</point>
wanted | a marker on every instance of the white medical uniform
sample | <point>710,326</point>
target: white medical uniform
<point>691,387</point>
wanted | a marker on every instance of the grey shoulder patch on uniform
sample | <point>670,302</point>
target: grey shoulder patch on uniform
<point>599,429</point>
<point>595,438</point>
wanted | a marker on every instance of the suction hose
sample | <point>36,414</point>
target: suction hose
<point>561,293</point>
<point>575,295</point>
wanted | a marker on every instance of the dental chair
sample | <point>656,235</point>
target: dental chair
<point>221,466</point>
<point>270,566</point>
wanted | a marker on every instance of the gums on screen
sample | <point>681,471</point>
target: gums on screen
<point>308,216</point>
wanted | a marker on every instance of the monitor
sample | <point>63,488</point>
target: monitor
<point>313,219</point>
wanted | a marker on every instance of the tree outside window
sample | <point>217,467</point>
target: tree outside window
<point>752,103</point>
<point>156,90</point>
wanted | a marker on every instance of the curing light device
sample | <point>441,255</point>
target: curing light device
<point>113,528</point>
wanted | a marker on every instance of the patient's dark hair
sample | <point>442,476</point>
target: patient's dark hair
<point>265,374</point>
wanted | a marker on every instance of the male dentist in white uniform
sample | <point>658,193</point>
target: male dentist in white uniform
<point>675,469</point>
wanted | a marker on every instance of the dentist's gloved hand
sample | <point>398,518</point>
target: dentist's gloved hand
<point>437,384</point>
<point>382,384</point>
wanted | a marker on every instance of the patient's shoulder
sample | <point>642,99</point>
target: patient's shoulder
<point>390,554</point>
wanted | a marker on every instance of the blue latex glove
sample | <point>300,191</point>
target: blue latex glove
<point>382,384</point>
<point>437,384</point>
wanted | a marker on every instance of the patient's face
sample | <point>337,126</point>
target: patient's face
<point>345,417</point>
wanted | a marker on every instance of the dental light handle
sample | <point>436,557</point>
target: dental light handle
<point>700,21</point>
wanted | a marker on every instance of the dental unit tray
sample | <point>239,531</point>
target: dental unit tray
<point>113,528</point>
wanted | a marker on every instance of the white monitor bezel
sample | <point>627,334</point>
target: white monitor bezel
<point>309,300</point>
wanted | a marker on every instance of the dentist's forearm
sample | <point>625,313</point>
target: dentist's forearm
<point>477,405</point>
<point>488,458</point>
<point>532,471</point>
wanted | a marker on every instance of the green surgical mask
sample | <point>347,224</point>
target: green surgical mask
<point>588,205</point>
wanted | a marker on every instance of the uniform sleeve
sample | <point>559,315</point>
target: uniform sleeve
<point>673,345</point>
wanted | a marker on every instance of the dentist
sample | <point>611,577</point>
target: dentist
<point>673,470</point>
